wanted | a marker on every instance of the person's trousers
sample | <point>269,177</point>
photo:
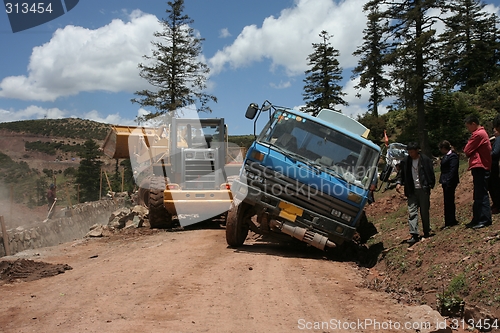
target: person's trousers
<point>419,199</point>
<point>481,207</point>
<point>449,205</point>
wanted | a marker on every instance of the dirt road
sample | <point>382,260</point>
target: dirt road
<point>190,281</point>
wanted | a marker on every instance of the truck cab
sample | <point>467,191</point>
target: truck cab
<point>306,177</point>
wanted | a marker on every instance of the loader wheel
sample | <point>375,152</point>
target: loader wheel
<point>237,224</point>
<point>158,215</point>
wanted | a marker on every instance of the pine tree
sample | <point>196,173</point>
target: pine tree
<point>373,60</point>
<point>89,171</point>
<point>177,74</point>
<point>413,53</point>
<point>470,52</point>
<point>128,175</point>
<point>446,111</point>
<point>321,90</point>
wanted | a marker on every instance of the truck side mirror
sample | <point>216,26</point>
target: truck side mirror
<point>252,111</point>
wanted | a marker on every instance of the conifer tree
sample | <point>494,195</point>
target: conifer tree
<point>413,53</point>
<point>175,69</point>
<point>89,171</point>
<point>321,90</point>
<point>470,53</point>
<point>371,66</point>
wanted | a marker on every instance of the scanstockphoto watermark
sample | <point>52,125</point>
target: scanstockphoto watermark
<point>363,324</point>
<point>286,180</point>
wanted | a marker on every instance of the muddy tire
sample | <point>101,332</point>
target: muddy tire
<point>158,215</point>
<point>237,224</point>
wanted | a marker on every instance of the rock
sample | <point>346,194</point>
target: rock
<point>115,223</point>
<point>138,222</point>
<point>128,218</point>
<point>475,314</point>
<point>119,213</point>
<point>94,226</point>
<point>96,232</point>
<point>129,225</point>
<point>429,320</point>
<point>140,210</point>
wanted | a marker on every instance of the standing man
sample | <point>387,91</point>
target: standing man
<point>478,150</point>
<point>449,181</point>
<point>417,177</point>
<point>494,181</point>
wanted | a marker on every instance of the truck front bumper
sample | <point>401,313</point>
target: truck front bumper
<point>288,212</point>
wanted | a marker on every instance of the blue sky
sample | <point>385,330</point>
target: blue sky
<point>84,63</point>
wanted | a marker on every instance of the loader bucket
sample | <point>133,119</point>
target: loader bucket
<point>116,144</point>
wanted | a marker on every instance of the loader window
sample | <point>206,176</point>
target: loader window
<point>182,140</point>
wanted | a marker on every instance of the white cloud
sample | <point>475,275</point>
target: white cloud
<point>287,40</point>
<point>114,119</point>
<point>224,33</point>
<point>281,85</point>
<point>78,59</point>
<point>31,112</point>
<point>492,9</point>
<point>351,92</point>
<point>37,112</point>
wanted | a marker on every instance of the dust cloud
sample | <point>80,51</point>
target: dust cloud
<point>17,214</point>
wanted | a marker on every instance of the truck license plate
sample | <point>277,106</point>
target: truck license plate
<point>289,212</point>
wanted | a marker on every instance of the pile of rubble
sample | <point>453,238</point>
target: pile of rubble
<point>123,218</point>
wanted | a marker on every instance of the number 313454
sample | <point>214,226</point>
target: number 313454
<point>25,8</point>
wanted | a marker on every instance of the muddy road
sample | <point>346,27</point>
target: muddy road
<point>190,281</point>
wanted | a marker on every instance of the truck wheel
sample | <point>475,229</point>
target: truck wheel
<point>237,224</point>
<point>158,215</point>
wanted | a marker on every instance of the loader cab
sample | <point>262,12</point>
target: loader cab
<point>198,147</point>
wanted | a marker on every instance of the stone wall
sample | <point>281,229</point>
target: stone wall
<point>68,225</point>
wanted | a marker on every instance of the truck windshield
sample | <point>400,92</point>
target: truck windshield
<point>322,147</point>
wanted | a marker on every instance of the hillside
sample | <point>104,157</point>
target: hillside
<point>456,264</point>
<point>70,128</point>
<point>33,151</point>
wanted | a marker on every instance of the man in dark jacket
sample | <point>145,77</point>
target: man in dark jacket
<point>494,180</point>
<point>449,181</point>
<point>417,177</point>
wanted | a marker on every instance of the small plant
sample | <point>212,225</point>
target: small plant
<point>450,305</point>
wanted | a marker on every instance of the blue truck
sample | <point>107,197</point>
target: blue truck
<point>306,177</point>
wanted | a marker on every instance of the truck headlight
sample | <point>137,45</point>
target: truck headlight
<point>336,213</point>
<point>346,217</point>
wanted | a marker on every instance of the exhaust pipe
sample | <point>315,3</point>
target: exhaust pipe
<point>302,234</point>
